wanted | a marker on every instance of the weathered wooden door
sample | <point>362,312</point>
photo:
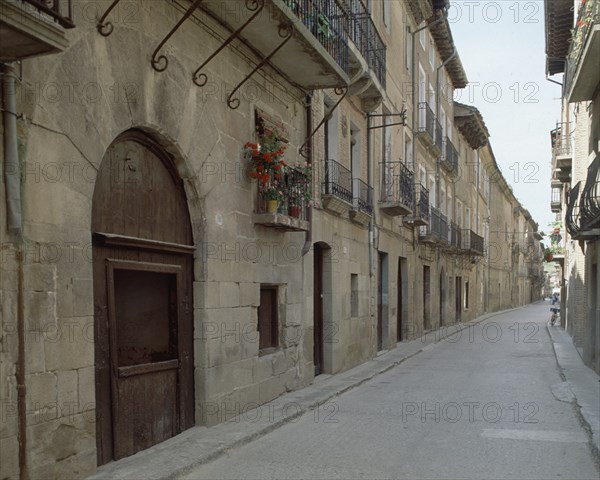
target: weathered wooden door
<point>458,299</point>
<point>318,310</point>
<point>143,271</point>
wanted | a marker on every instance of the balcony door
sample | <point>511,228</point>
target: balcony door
<point>143,272</point>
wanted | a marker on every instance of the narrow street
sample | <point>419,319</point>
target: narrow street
<point>488,403</point>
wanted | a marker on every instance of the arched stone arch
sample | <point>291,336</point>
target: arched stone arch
<point>143,275</point>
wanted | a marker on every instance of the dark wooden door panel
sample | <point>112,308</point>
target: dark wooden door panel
<point>145,411</point>
<point>318,310</point>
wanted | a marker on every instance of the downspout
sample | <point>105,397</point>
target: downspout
<point>309,145</point>
<point>12,179</point>
<point>371,242</point>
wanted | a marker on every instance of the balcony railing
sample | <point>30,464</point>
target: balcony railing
<point>291,209</point>
<point>328,21</point>
<point>590,197</point>
<point>455,236</point>
<point>582,73</point>
<point>338,181</point>
<point>363,196</point>
<point>572,215</point>
<point>421,208</point>
<point>426,120</point>
<point>53,8</point>
<point>396,188</point>
<point>367,39</point>
<point>561,142</point>
<point>473,242</point>
<point>437,230</point>
<point>449,159</point>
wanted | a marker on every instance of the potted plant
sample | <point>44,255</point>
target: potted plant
<point>548,254</point>
<point>266,164</point>
<point>272,195</point>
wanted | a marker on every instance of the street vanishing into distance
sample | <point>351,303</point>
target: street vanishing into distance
<point>486,403</point>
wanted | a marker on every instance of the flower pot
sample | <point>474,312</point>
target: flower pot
<point>272,206</point>
<point>294,211</point>
<point>548,257</point>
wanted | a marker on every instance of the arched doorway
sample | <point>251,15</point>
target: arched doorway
<point>143,273</point>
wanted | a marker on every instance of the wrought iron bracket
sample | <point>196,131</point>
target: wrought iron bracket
<point>161,62</point>
<point>255,6</point>
<point>286,31</point>
<point>343,91</point>
<point>402,121</point>
<point>106,28</point>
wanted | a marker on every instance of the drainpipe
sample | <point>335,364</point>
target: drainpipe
<point>371,242</point>
<point>12,179</point>
<point>309,145</point>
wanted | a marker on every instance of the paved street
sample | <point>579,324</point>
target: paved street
<point>487,403</point>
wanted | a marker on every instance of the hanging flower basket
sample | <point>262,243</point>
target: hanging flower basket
<point>548,257</point>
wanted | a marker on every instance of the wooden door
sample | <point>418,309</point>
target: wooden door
<point>143,272</point>
<point>400,306</point>
<point>318,310</point>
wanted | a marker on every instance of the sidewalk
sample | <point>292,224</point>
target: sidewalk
<point>582,381</point>
<point>199,445</point>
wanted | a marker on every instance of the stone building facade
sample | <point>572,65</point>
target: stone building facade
<point>146,287</point>
<point>573,46</point>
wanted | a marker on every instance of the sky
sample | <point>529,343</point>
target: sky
<point>502,48</point>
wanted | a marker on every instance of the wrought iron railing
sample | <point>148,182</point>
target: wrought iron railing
<point>426,120</point>
<point>473,242</point>
<point>295,188</point>
<point>365,36</point>
<point>52,8</point>
<point>572,218</point>
<point>590,197</point>
<point>328,21</point>
<point>561,140</point>
<point>338,181</point>
<point>455,236</point>
<point>449,159</point>
<point>396,183</point>
<point>421,209</point>
<point>363,196</point>
<point>588,16</point>
<point>438,226</point>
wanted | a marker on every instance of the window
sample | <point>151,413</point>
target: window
<point>353,295</point>
<point>422,38</point>
<point>459,213</point>
<point>331,133</point>
<point>432,190</point>
<point>408,48</point>
<point>408,151</point>
<point>431,54</point>
<point>385,13</point>
<point>449,210</point>
<point>268,321</point>
<point>468,218</point>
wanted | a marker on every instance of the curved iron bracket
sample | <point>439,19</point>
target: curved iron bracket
<point>161,62</point>
<point>286,32</point>
<point>106,28</point>
<point>255,6</point>
<point>343,91</point>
